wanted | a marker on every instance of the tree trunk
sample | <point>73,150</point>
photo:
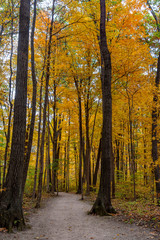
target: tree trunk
<point>155,114</point>
<point>113,177</point>
<point>117,160</point>
<point>44,112</point>
<point>75,157</point>
<point>39,124</point>
<point>122,159</point>
<point>59,135</point>
<point>41,163</point>
<point>87,157</point>
<point>131,135</point>
<point>34,96</point>
<point>80,184</point>
<point>64,176</point>
<point>55,161</point>
<point>38,141</point>
<point>97,163</point>
<point>48,168</point>
<point>102,205</point>
<point>154,134</point>
<point>68,151</point>
<point>87,113</point>
<point>11,212</point>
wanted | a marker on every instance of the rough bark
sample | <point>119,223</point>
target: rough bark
<point>102,205</point>
<point>11,212</point>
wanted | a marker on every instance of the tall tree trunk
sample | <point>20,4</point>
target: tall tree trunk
<point>122,159</point>
<point>48,167</point>
<point>11,212</point>
<point>132,147</point>
<point>87,157</point>
<point>97,163</point>
<point>113,176</point>
<point>34,96</point>
<point>80,184</point>
<point>39,121</point>
<point>55,160</point>
<point>145,158</point>
<point>38,141</point>
<point>44,111</point>
<point>117,159</point>
<point>68,151</point>
<point>59,136</point>
<point>155,114</point>
<point>75,157</point>
<point>102,205</point>
<point>57,156</point>
<point>87,112</point>
<point>154,133</point>
<point>64,176</point>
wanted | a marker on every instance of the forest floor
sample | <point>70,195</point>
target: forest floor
<point>142,212</point>
<point>65,218</point>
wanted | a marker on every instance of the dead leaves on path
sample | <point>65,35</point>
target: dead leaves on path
<point>3,230</point>
<point>42,237</point>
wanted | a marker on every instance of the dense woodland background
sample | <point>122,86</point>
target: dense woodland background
<point>64,97</point>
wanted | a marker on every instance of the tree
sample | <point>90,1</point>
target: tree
<point>11,212</point>
<point>34,95</point>
<point>45,110</point>
<point>102,205</point>
<point>155,113</point>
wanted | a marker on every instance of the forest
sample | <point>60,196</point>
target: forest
<point>79,103</point>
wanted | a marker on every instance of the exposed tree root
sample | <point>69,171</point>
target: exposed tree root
<point>11,217</point>
<point>101,209</point>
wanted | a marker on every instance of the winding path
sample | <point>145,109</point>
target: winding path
<point>65,218</point>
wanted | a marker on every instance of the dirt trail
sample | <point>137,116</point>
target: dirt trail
<point>65,218</point>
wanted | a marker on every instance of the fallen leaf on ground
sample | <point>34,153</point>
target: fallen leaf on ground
<point>3,230</point>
